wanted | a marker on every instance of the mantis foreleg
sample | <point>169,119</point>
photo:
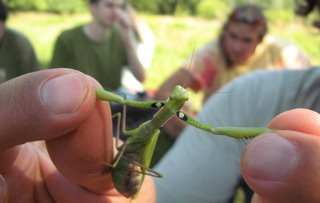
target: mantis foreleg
<point>112,97</point>
<point>235,132</point>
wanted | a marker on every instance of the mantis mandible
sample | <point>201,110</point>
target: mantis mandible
<point>133,160</point>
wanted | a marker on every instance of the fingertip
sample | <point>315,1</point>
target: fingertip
<point>67,98</point>
<point>301,120</point>
<point>43,105</point>
<point>283,166</point>
<point>95,84</point>
<point>64,93</point>
<point>270,158</point>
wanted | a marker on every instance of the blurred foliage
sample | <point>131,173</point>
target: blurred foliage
<point>279,15</point>
<point>176,37</point>
<point>203,8</point>
<point>189,6</point>
<point>212,9</point>
<point>275,4</point>
<point>156,6</point>
<point>55,6</point>
<point>148,6</point>
<point>166,6</point>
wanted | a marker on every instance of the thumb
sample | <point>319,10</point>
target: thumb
<point>43,105</point>
<point>283,166</point>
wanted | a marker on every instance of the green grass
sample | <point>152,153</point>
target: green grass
<point>176,37</point>
<point>43,28</point>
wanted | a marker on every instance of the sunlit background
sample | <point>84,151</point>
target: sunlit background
<point>179,28</point>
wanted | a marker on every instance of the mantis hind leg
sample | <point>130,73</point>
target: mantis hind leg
<point>145,170</point>
<point>122,148</point>
<point>124,119</point>
<point>121,124</point>
<point>118,116</point>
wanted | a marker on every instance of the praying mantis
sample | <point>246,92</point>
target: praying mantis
<point>132,162</point>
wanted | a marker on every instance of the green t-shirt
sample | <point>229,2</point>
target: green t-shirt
<point>104,60</point>
<point>17,55</point>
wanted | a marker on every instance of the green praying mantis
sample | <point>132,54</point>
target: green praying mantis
<point>132,162</point>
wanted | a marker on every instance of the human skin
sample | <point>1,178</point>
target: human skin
<point>240,41</point>
<point>283,167</point>
<point>57,107</point>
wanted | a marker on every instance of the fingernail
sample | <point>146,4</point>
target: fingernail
<point>270,158</point>
<point>64,94</point>
<point>93,81</point>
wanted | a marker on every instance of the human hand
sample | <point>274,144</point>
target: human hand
<point>123,19</point>
<point>283,167</point>
<point>57,106</point>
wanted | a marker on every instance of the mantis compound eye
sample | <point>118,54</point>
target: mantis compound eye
<point>182,116</point>
<point>157,105</point>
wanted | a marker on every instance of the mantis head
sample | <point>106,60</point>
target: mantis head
<point>179,94</point>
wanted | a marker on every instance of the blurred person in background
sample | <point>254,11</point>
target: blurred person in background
<point>243,46</point>
<point>103,47</point>
<point>17,55</point>
<point>279,166</point>
<point>145,45</point>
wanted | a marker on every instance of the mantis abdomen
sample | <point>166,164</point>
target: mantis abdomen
<point>127,176</point>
